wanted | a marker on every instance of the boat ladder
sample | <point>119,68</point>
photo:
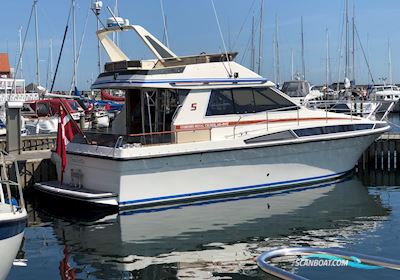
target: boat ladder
<point>7,185</point>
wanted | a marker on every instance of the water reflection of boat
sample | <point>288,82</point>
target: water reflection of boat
<point>135,241</point>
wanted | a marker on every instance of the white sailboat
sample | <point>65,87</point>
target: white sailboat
<point>202,126</point>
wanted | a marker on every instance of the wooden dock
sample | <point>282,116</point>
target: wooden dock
<point>34,159</point>
<point>383,154</point>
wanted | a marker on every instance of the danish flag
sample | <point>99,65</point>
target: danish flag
<point>67,129</point>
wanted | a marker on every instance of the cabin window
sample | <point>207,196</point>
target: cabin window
<point>243,100</point>
<point>282,135</point>
<point>246,100</point>
<point>266,99</point>
<point>330,129</point>
<point>221,103</point>
<point>43,109</point>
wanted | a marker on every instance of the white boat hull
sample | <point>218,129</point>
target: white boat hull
<point>8,251</point>
<point>12,227</point>
<point>146,181</point>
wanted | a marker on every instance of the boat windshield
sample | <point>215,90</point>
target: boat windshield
<point>296,89</point>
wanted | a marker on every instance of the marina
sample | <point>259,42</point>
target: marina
<point>151,149</point>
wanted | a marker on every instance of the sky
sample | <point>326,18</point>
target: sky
<point>192,28</point>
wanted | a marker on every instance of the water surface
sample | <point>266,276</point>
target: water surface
<point>217,239</point>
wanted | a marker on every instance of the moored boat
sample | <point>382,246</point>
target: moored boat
<point>202,126</point>
<point>13,217</point>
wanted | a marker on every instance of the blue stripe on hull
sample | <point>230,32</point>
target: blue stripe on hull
<point>11,228</point>
<point>227,191</point>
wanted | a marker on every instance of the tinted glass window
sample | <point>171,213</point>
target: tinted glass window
<point>221,103</point>
<point>267,99</point>
<point>243,100</point>
<point>42,109</point>
<point>331,129</point>
<point>246,100</point>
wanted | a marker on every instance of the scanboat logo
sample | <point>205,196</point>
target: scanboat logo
<point>315,260</point>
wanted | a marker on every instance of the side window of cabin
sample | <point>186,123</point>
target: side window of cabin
<point>267,99</point>
<point>246,100</point>
<point>243,100</point>
<point>43,109</point>
<point>182,93</point>
<point>221,103</point>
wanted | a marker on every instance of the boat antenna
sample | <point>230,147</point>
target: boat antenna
<point>22,48</point>
<point>37,43</point>
<point>61,50</point>
<point>230,73</point>
<point>96,9</point>
<point>164,23</point>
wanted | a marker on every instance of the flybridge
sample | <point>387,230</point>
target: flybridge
<point>165,57</point>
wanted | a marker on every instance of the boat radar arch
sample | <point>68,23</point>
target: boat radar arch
<point>116,54</point>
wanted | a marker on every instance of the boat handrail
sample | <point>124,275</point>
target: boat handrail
<point>9,183</point>
<point>262,260</point>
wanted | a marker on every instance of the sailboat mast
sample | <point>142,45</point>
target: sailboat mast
<point>50,63</point>
<point>292,63</point>
<point>390,63</point>
<point>303,63</point>
<point>37,43</point>
<point>253,46</point>
<point>164,23</point>
<point>327,57</point>
<point>278,78</point>
<point>346,71</point>
<point>74,42</point>
<point>20,50</point>
<point>260,46</point>
<point>353,68</point>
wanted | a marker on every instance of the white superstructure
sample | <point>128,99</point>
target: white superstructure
<point>200,126</point>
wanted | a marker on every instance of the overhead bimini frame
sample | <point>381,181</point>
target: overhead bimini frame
<point>116,54</point>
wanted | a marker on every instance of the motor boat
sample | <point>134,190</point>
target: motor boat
<point>386,95</point>
<point>201,126</point>
<point>13,218</point>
